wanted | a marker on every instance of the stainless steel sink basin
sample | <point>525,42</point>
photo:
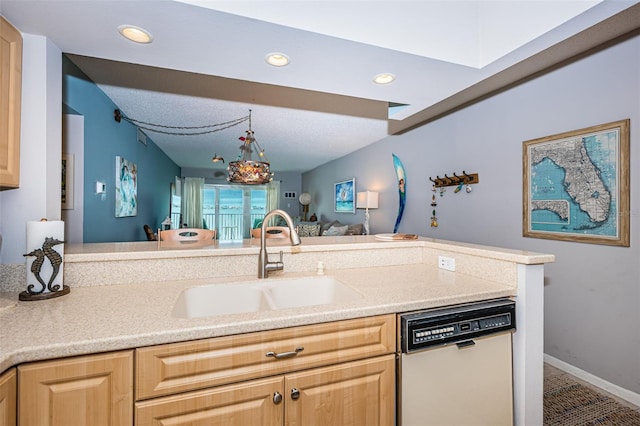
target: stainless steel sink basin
<point>260,295</point>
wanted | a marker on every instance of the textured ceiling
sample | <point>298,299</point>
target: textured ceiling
<point>206,64</point>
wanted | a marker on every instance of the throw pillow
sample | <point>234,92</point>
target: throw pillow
<point>355,229</point>
<point>309,230</point>
<point>335,231</point>
<point>327,225</point>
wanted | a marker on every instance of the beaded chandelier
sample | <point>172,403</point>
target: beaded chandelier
<point>245,170</point>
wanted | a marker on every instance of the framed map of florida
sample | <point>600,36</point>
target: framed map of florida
<point>576,185</point>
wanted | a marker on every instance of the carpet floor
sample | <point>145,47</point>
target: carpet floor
<point>569,403</point>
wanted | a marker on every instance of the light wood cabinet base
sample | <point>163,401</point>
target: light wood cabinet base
<point>340,373</point>
<point>358,393</point>
<point>91,390</point>
<point>10,101</point>
<point>179,367</point>
<point>8,398</point>
<point>249,403</point>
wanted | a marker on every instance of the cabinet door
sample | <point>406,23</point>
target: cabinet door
<point>91,390</point>
<point>10,95</point>
<point>256,403</point>
<point>8,389</point>
<point>360,393</point>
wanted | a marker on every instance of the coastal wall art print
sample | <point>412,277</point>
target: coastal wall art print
<point>576,185</point>
<point>344,196</point>
<point>126,188</point>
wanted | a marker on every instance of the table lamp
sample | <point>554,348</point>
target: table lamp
<point>305,200</point>
<point>367,200</point>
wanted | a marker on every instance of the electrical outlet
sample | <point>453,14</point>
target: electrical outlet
<point>447,263</point>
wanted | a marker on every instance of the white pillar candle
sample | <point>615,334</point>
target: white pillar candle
<point>45,252</point>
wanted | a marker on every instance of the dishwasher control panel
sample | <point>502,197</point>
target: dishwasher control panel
<point>420,330</point>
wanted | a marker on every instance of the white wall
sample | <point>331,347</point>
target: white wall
<point>592,292</point>
<point>40,148</point>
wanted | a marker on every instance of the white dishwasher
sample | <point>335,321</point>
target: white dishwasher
<point>455,365</point>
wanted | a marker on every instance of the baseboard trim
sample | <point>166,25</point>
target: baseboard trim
<point>616,390</point>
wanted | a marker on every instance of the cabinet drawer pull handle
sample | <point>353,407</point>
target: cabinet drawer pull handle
<point>295,394</point>
<point>277,398</point>
<point>286,354</point>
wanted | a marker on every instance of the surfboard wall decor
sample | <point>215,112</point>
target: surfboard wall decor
<point>402,189</point>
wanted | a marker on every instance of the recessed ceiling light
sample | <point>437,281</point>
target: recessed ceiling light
<point>277,59</point>
<point>384,78</point>
<point>137,34</point>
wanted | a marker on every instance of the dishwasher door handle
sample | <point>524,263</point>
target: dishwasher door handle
<point>465,344</point>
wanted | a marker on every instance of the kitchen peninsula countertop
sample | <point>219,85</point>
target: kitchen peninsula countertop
<point>93,319</point>
<point>153,250</point>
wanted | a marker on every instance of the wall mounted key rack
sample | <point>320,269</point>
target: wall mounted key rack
<point>467,179</point>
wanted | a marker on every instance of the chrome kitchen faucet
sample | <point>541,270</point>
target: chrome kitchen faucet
<point>264,266</point>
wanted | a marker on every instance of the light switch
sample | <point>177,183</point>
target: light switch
<point>101,188</point>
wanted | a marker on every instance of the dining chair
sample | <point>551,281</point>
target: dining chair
<point>151,236</point>
<point>272,232</point>
<point>188,236</point>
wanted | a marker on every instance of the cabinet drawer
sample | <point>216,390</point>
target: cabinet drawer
<point>179,367</point>
<point>247,403</point>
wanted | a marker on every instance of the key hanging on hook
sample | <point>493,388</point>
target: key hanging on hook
<point>433,196</point>
<point>434,219</point>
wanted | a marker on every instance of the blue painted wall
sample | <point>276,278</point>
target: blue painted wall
<point>104,140</point>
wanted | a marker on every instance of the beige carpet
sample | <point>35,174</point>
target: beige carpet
<point>569,403</point>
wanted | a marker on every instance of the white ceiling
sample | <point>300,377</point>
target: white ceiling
<point>206,63</point>
<point>465,32</point>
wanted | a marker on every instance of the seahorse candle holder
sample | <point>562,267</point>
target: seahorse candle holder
<point>44,257</point>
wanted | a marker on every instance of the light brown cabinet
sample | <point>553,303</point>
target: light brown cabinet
<point>257,402</point>
<point>10,98</point>
<point>357,393</point>
<point>8,395</point>
<point>335,373</point>
<point>88,390</point>
<point>179,367</point>
<point>340,372</point>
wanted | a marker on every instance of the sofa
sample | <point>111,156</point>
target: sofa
<point>333,228</point>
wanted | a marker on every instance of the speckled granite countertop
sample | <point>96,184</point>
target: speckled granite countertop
<point>106,318</point>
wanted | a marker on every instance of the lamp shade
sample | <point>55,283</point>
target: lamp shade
<point>367,200</point>
<point>305,199</point>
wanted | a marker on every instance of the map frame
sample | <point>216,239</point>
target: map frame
<point>565,146</point>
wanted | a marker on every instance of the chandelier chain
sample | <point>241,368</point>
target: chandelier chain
<point>218,126</point>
